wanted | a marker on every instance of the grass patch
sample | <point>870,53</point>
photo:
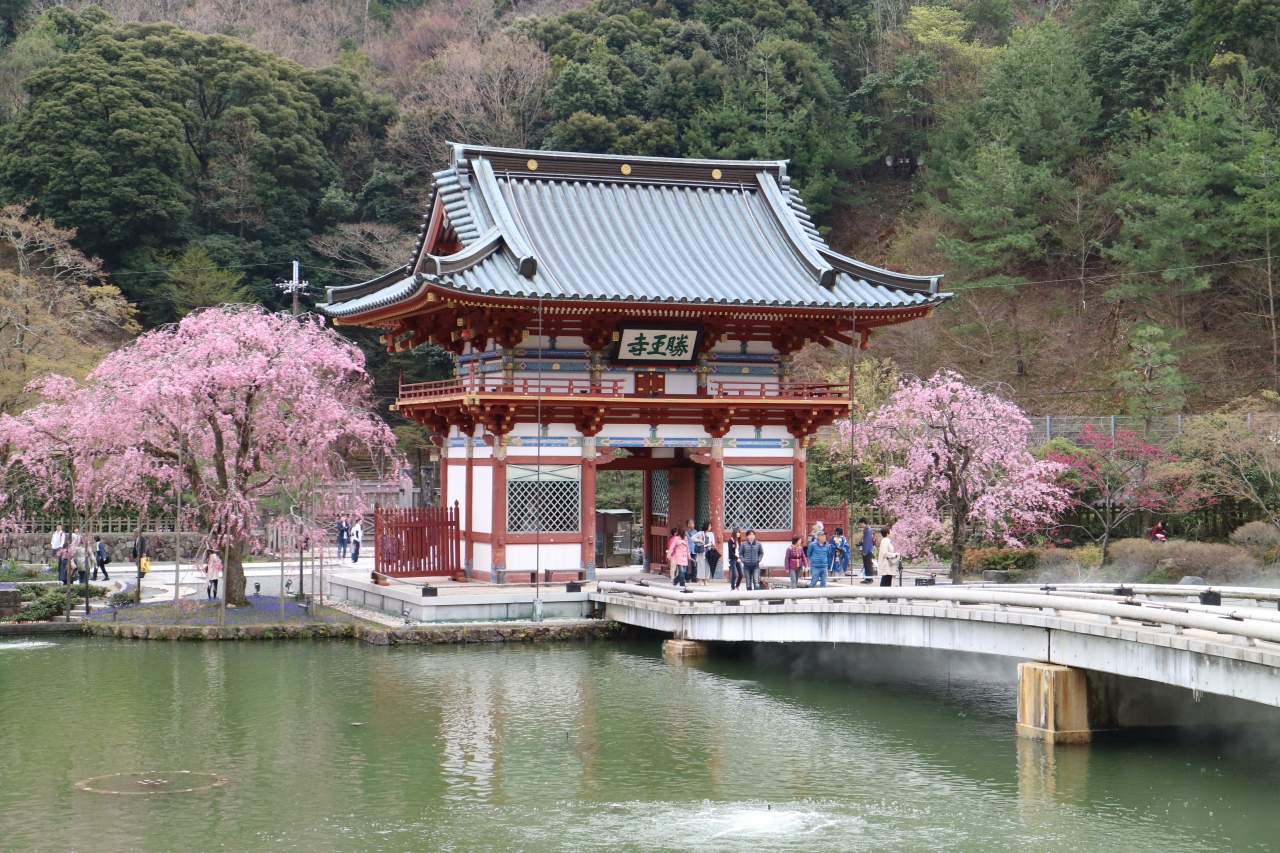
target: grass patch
<point>261,611</point>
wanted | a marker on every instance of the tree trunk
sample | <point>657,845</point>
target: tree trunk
<point>957,547</point>
<point>1106,538</point>
<point>233,573</point>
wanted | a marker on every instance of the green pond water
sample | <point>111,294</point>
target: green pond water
<point>581,748</point>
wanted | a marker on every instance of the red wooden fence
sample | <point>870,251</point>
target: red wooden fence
<point>418,542</point>
<point>830,516</point>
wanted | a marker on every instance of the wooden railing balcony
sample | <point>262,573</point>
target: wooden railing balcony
<point>490,385</point>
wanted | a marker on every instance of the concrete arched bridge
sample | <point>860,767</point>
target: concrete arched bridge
<point>1096,655</point>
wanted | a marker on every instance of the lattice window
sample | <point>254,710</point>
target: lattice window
<point>659,492</point>
<point>550,501</point>
<point>757,497</point>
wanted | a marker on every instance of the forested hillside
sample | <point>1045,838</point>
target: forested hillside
<point>1097,178</point>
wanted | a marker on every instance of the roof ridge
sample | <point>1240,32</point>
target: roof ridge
<point>799,241</point>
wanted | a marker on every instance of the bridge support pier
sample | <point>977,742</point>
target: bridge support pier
<point>684,649</point>
<point>1053,703</point>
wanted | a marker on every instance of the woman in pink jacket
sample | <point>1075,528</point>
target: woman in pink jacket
<point>678,554</point>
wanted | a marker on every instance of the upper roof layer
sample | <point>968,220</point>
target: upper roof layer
<point>629,229</point>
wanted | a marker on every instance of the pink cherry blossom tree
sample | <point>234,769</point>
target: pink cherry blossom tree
<point>944,447</point>
<point>1114,478</point>
<point>236,406</point>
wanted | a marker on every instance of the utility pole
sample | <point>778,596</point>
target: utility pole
<point>294,286</point>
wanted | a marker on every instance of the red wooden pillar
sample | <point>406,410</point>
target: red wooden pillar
<point>499,523</point>
<point>799,491</point>
<point>715,475</point>
<point>646,518</point>
<point>468,532</point>
<point>589,507</point>
<point>444,469</point>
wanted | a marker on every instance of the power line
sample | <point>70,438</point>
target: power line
<point>1104,276</point>
<point>1236,380</point>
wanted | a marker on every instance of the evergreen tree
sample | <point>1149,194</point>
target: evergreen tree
<point>1153,382</point>
<point>1134,55</point>
<point>1176,195</point>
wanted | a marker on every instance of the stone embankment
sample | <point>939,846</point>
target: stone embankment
<point>493,632</point>
<point>34,547</point>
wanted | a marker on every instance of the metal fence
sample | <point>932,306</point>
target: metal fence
<point>1163,428</point>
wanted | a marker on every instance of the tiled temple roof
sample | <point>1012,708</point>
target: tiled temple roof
<point>610,228</point>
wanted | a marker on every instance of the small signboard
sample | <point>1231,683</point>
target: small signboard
<point>657,343</point>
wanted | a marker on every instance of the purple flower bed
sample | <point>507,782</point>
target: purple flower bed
<point>261,611</point>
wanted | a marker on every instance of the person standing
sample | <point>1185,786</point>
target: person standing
<point>712,555</point>
<point>795,561</point>
<point>868,549</point>
<point>731,555</point>
<point>56,545</point>
<point>100,558</point>
<point>698,555</point>
<point>357,536</point>
<point>841,544</point>
<point>887,561</point>
<point>212,573</point>
<point>79,556</point>
<point>139,556</point>
<point>678,554</point>
<point>751,553</point>
<point>821,554</point>
<point>344,537</point>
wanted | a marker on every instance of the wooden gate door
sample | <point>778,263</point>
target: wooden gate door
<point>418,542</point>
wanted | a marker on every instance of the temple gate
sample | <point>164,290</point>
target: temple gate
<point>628,313</point>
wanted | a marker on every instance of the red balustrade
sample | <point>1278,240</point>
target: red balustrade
<point>556,386</point>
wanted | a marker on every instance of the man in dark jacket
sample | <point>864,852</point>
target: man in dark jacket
<point>868,548</point>
<point>344,537</point>
<point>751,553</point>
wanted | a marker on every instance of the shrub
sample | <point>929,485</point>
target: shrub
<point>1259,538</point>
<point>1069,564</point>
<point>121,599</point>
<point>1001,559</point>
<point>1169,562</point>
<point>41,603</point>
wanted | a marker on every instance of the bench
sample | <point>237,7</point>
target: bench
<point>580,575</point>
<point>501,574</point>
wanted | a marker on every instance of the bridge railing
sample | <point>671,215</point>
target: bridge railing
<point>1247,623</point>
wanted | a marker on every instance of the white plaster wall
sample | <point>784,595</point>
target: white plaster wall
<point>681,431</point>
<point>483,557</point>
<point>682,383</point>
<point>553,430</point>
<point>625,431</point>
<point>774,554</point>
<point>748,431</point>
<point>784,455</point>
<point>457,488</point>
<point>482,512</point>
<point>561,557</point>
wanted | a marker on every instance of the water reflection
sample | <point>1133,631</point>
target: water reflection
<point>583,748</point>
